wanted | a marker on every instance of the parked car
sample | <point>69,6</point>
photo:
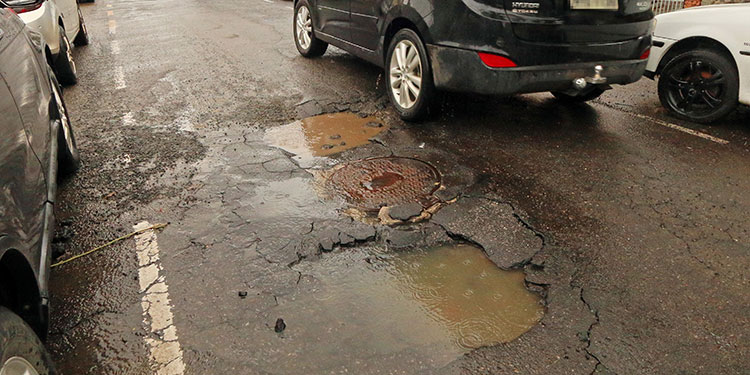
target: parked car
<point>59,21</point>
<point>574,48</point>
<point>702,58</point>
<point>37,141</point>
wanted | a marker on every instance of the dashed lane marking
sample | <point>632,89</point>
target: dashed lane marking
<point>127,119</point>
<point>670,125</point>
<point>681,128</point>
<point>114,47</point>
<point>112,26</point>
<point>120,78</point>
<point>110,13</point>
<point>166,352</point>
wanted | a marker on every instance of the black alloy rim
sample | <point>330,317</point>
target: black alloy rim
<point>696,88</point>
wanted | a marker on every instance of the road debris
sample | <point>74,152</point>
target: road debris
<point>110,243</point>
<point>280,325</point>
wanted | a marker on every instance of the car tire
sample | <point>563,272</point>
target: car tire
<point>409,84</point>
<point>65,67</point>
<point>68,158</point>
<point>588,96</point>
<point>20,348</point>
<point>699,85</point>
<point>82,39</point>
<point>304,34</point>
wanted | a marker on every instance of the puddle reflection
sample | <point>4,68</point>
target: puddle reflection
<point>324,135</point>
<point>420,308</point>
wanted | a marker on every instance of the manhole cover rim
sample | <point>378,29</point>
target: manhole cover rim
<point>433,175</point>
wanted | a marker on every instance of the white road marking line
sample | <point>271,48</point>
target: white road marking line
<point>268,1</point>
<point>166,352</point>
<point>112,26</point>
<point>120,78</point>
<point>288,7</point>
<point>681,128</point>
<point>109,5</point>
<point>114,47</point>
<point>667,124</point>
<point>127,119</point>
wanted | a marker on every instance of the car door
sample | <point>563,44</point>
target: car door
<point>69,11</point>
<point>364,23</point>
<point>22,179</point>
<point>28,87</point>
<point>741,33</point>
<point>334,18</point>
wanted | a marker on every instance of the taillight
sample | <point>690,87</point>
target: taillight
<point>496,61</point>
<point>23,6</point>
<point>646,54</point>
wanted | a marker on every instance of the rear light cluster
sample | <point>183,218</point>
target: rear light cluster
<point>23,6</point>
<point>496,61</point>
<point>646,54</point>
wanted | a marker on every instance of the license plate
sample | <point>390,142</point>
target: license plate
<point>594,4</point>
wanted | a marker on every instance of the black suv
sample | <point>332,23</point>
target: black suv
<point>574,48</point>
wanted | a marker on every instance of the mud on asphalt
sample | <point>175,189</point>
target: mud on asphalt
<point>233,199</point>
<point>257,233</point>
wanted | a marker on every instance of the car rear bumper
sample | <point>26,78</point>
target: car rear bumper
<point>43,21</point>
<point>456,69</point>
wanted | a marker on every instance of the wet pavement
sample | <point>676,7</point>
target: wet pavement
<point>311,231</point>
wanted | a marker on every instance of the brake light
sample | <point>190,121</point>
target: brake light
<point>646,54</point>
<point>23,6</point>
<point>496,61</point>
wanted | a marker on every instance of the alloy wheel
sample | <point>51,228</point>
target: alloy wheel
<point>304,27</point>
<point>64,120</point>
<point>18,366</point>
<point>695,88</point>
<point>69,54</point>
<point>406,74</point>
<point>83,22</point>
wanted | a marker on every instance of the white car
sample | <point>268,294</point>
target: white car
<point>59,22</point>
<point>702,58</point>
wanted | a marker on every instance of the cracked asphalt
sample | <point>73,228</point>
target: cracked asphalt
<point>635,234</point>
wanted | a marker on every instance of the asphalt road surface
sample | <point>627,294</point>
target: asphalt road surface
<point>630,227</point>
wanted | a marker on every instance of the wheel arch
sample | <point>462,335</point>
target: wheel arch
<point>693,43</point>
<point>19,290</point>
<point>49,56</point>
<point>403,17</point>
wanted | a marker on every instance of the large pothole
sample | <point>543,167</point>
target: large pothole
<point>403,312</point>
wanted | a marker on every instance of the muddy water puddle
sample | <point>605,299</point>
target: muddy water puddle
<point>369,310</point>
<point>324,135</point>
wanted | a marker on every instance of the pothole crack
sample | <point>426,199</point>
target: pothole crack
<point>587,338</point>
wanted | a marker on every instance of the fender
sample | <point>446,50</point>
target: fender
<point>418,13</point>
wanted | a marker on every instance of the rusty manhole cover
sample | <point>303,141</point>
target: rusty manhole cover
<point>389,181</point>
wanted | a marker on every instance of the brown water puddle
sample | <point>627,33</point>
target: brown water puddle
<point>370,310</point>
<point>324,135</point>
<point>475,302</point>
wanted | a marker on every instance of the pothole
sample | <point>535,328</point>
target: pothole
<point>371,184</point>
<point>397,311</point>
<point>324,135</point>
